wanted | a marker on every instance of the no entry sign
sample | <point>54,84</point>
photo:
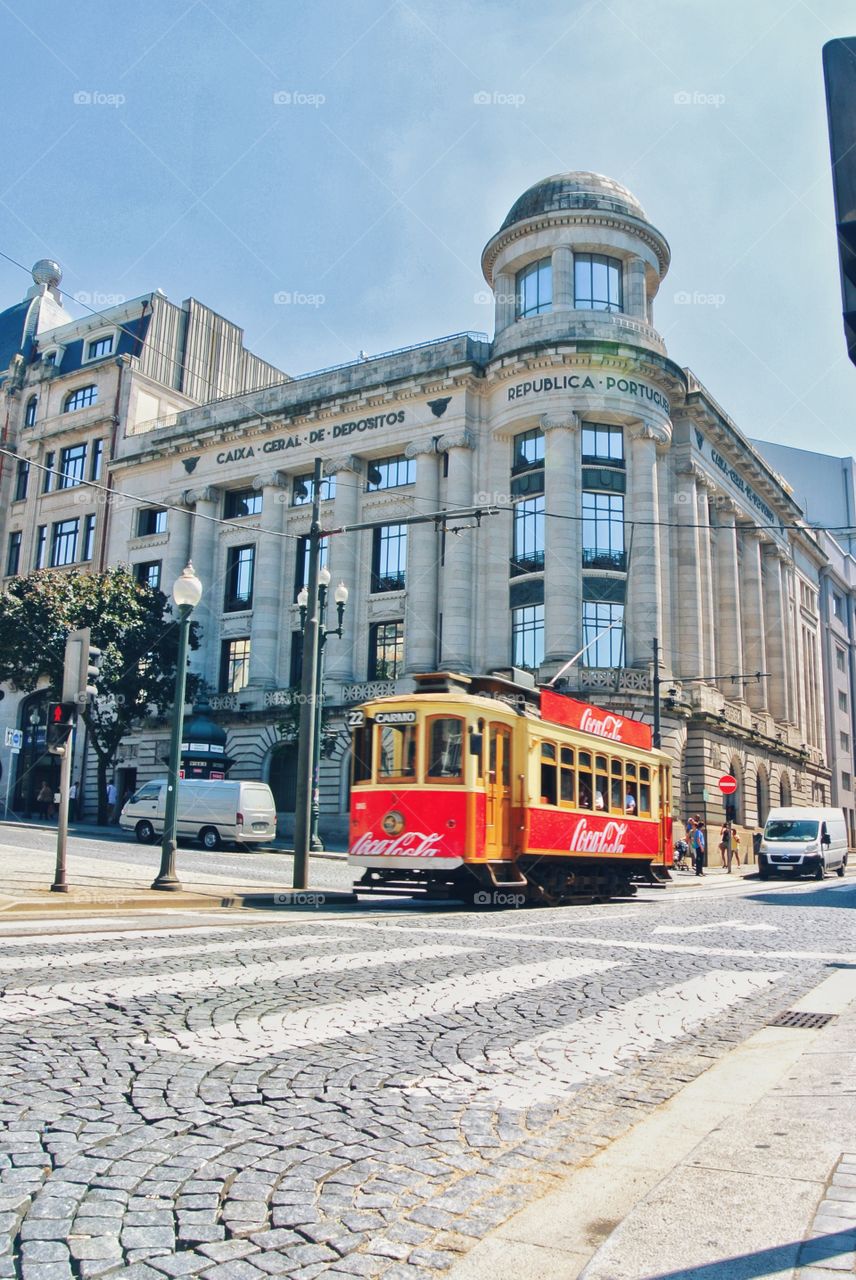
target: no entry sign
<point>727,784</point>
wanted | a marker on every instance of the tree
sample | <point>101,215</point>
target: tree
<point>131,624</point>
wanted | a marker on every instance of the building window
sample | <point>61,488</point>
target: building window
<point>295,661</point>
<point>13,555</point>
<point>842,700</point>
<point>49,357</point>
<point>48,475</point>
<point>40,558</point>
<point>837,605</point>
<point>72,465</point>
<point>80,398</point>
<point>88,537</point>
<point>846,780</point>
<point>389,557</point>
<point>22,480</point>
<point>99,347</point>
<point>301,492</point>
<point>301,572</point>
<point>597,282</point>
<point>234,665</point>
<point>151,520</point>
<point>528,547</point>
<point>148,574</point>
<point>97,459</point>
<point>64,543</point>
<point>30,411</point>
<point>240,565</point>
<point>602,446</point>
<point>386,650</point>
<point>603,630</point>
<point>528,450</point>
<point>535,288</point>
<point>527,636</point>
<point>390,473</point>
<point>845,741</point>
<point>242,502</point>
<point>603,531</point>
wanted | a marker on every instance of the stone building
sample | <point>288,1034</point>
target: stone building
<point>71,392</point>
<point>629,507</point>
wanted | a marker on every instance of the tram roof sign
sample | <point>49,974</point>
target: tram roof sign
<point>597,721</point>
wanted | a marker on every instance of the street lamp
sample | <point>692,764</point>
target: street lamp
<point>186,592</point>
<point>340,595</point>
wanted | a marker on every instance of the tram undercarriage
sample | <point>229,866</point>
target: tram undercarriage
<point>550,882</point>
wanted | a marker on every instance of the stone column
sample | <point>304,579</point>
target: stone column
<point>727,617</point>
<point>458,586</point>
<point>690,614</point>
<point>563,278</point>
<point>505,304</point>
<point>636,301</point>
<point>644,607</point>
<point>421,640</point>
<point>178,549</point>
<point>340,655</point>
<point>778,689</point>
<point>563,576</point>
<point>707,616</point>
<point>792,640</point>
<point>271,552</point>
<point>205,661</point>
<point>754,619</point>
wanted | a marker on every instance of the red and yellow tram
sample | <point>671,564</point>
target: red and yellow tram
<point>479,788</point>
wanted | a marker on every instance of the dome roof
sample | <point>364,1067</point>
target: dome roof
<point>574,191</point>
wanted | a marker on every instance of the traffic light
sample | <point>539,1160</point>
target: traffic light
<point>839,72</point>
<point>61,716</point>
<point>81,668</point>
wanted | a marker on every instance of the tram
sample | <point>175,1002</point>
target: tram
<point>481,789</point>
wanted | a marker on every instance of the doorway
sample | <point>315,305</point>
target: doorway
<point>497,837</point>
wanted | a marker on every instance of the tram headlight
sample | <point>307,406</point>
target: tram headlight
<point>393,823</point>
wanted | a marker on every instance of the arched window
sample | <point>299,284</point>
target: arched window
<point>535,288</point>
<point>30,411</point>
<point>80,398</point>
<point>762,795</point>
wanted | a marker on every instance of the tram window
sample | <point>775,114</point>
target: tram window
<point>585,779</point>
<point>644,789</point>
<point>616,786</point>
<point>548,773</point>
<point>600,782</point>
<point>477,747</point>
<point>444,747</point>
<point>397,756</point>
<point>566,775</point>
<point>362,753</point>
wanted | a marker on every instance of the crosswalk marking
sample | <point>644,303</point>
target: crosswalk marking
<point>549,1065</point>
<point>43,998</point>
<point>278,1032</point>
<point>739,926</point>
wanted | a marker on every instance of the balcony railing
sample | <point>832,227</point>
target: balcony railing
<point>533,563</point>
<point>389,582</point>
<point>595,558</point>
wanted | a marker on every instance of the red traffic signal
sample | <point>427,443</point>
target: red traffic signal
<point>61,716</point>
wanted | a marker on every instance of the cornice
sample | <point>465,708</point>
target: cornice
<point>643,231</point>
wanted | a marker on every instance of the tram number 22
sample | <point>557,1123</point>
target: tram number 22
<point>356,718</point>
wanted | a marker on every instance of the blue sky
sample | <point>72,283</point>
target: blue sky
<point>339,154</point>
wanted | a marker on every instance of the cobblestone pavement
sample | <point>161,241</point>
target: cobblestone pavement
<point>363,1094</point>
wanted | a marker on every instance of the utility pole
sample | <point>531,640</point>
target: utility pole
<point>306,780</point>
<point>656,682</point>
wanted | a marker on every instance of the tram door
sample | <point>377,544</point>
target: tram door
<point>665,789</point>
<point>497,840</point>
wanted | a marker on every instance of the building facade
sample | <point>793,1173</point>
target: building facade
<point>70,392</point>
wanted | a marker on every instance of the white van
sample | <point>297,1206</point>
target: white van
<point>213,813</point>
<point>803,840</point>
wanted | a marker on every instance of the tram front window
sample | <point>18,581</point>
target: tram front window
<point>444,747</point>
<point>362,753</point>
<point>397,754</point>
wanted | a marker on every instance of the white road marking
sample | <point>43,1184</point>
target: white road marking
<point>37,1000</point>
<point>549,1065</point>
<point>739,925</point>
<point>253,1038</point>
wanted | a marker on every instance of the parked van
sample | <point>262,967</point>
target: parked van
<point>800,840</point>
<point>213,813</point>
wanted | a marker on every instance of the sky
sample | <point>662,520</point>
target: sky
<point>327,175</point>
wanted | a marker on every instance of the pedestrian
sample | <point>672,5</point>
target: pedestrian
<point>72,801</point>
<point>112,795</point>
<point>735,845</point>
<point>45,801</point>
<point>723,844</point>
<point>697,844</point>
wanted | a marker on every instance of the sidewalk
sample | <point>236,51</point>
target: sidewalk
<point>749,1171</point>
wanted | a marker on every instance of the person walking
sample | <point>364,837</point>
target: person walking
<point>45,801</point>
<point>697,844</point>
<point>72,801</point>
<point>112,795</point>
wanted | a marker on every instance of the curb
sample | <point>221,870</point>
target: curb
<point>88,902</point>
<point>84,829</point>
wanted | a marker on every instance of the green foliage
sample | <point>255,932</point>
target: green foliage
<point>131,624</point>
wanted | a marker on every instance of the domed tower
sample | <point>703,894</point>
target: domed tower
<point>576,257</point>
<point>40,310</point>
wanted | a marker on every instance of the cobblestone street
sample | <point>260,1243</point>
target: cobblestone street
<point>360,1094</point>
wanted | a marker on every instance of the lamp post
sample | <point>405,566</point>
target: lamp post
<point>186,592</point>
<point>340,595</point>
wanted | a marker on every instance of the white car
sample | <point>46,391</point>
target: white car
<point>800,840</point>
<point>213,813</point>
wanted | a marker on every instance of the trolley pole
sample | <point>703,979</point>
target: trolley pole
<point>656,682</point>
<point>308,697</point>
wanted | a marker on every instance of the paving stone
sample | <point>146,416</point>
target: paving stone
<point>226,1250</point>
<point>238,1269</point>
<point>147,1237</point>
